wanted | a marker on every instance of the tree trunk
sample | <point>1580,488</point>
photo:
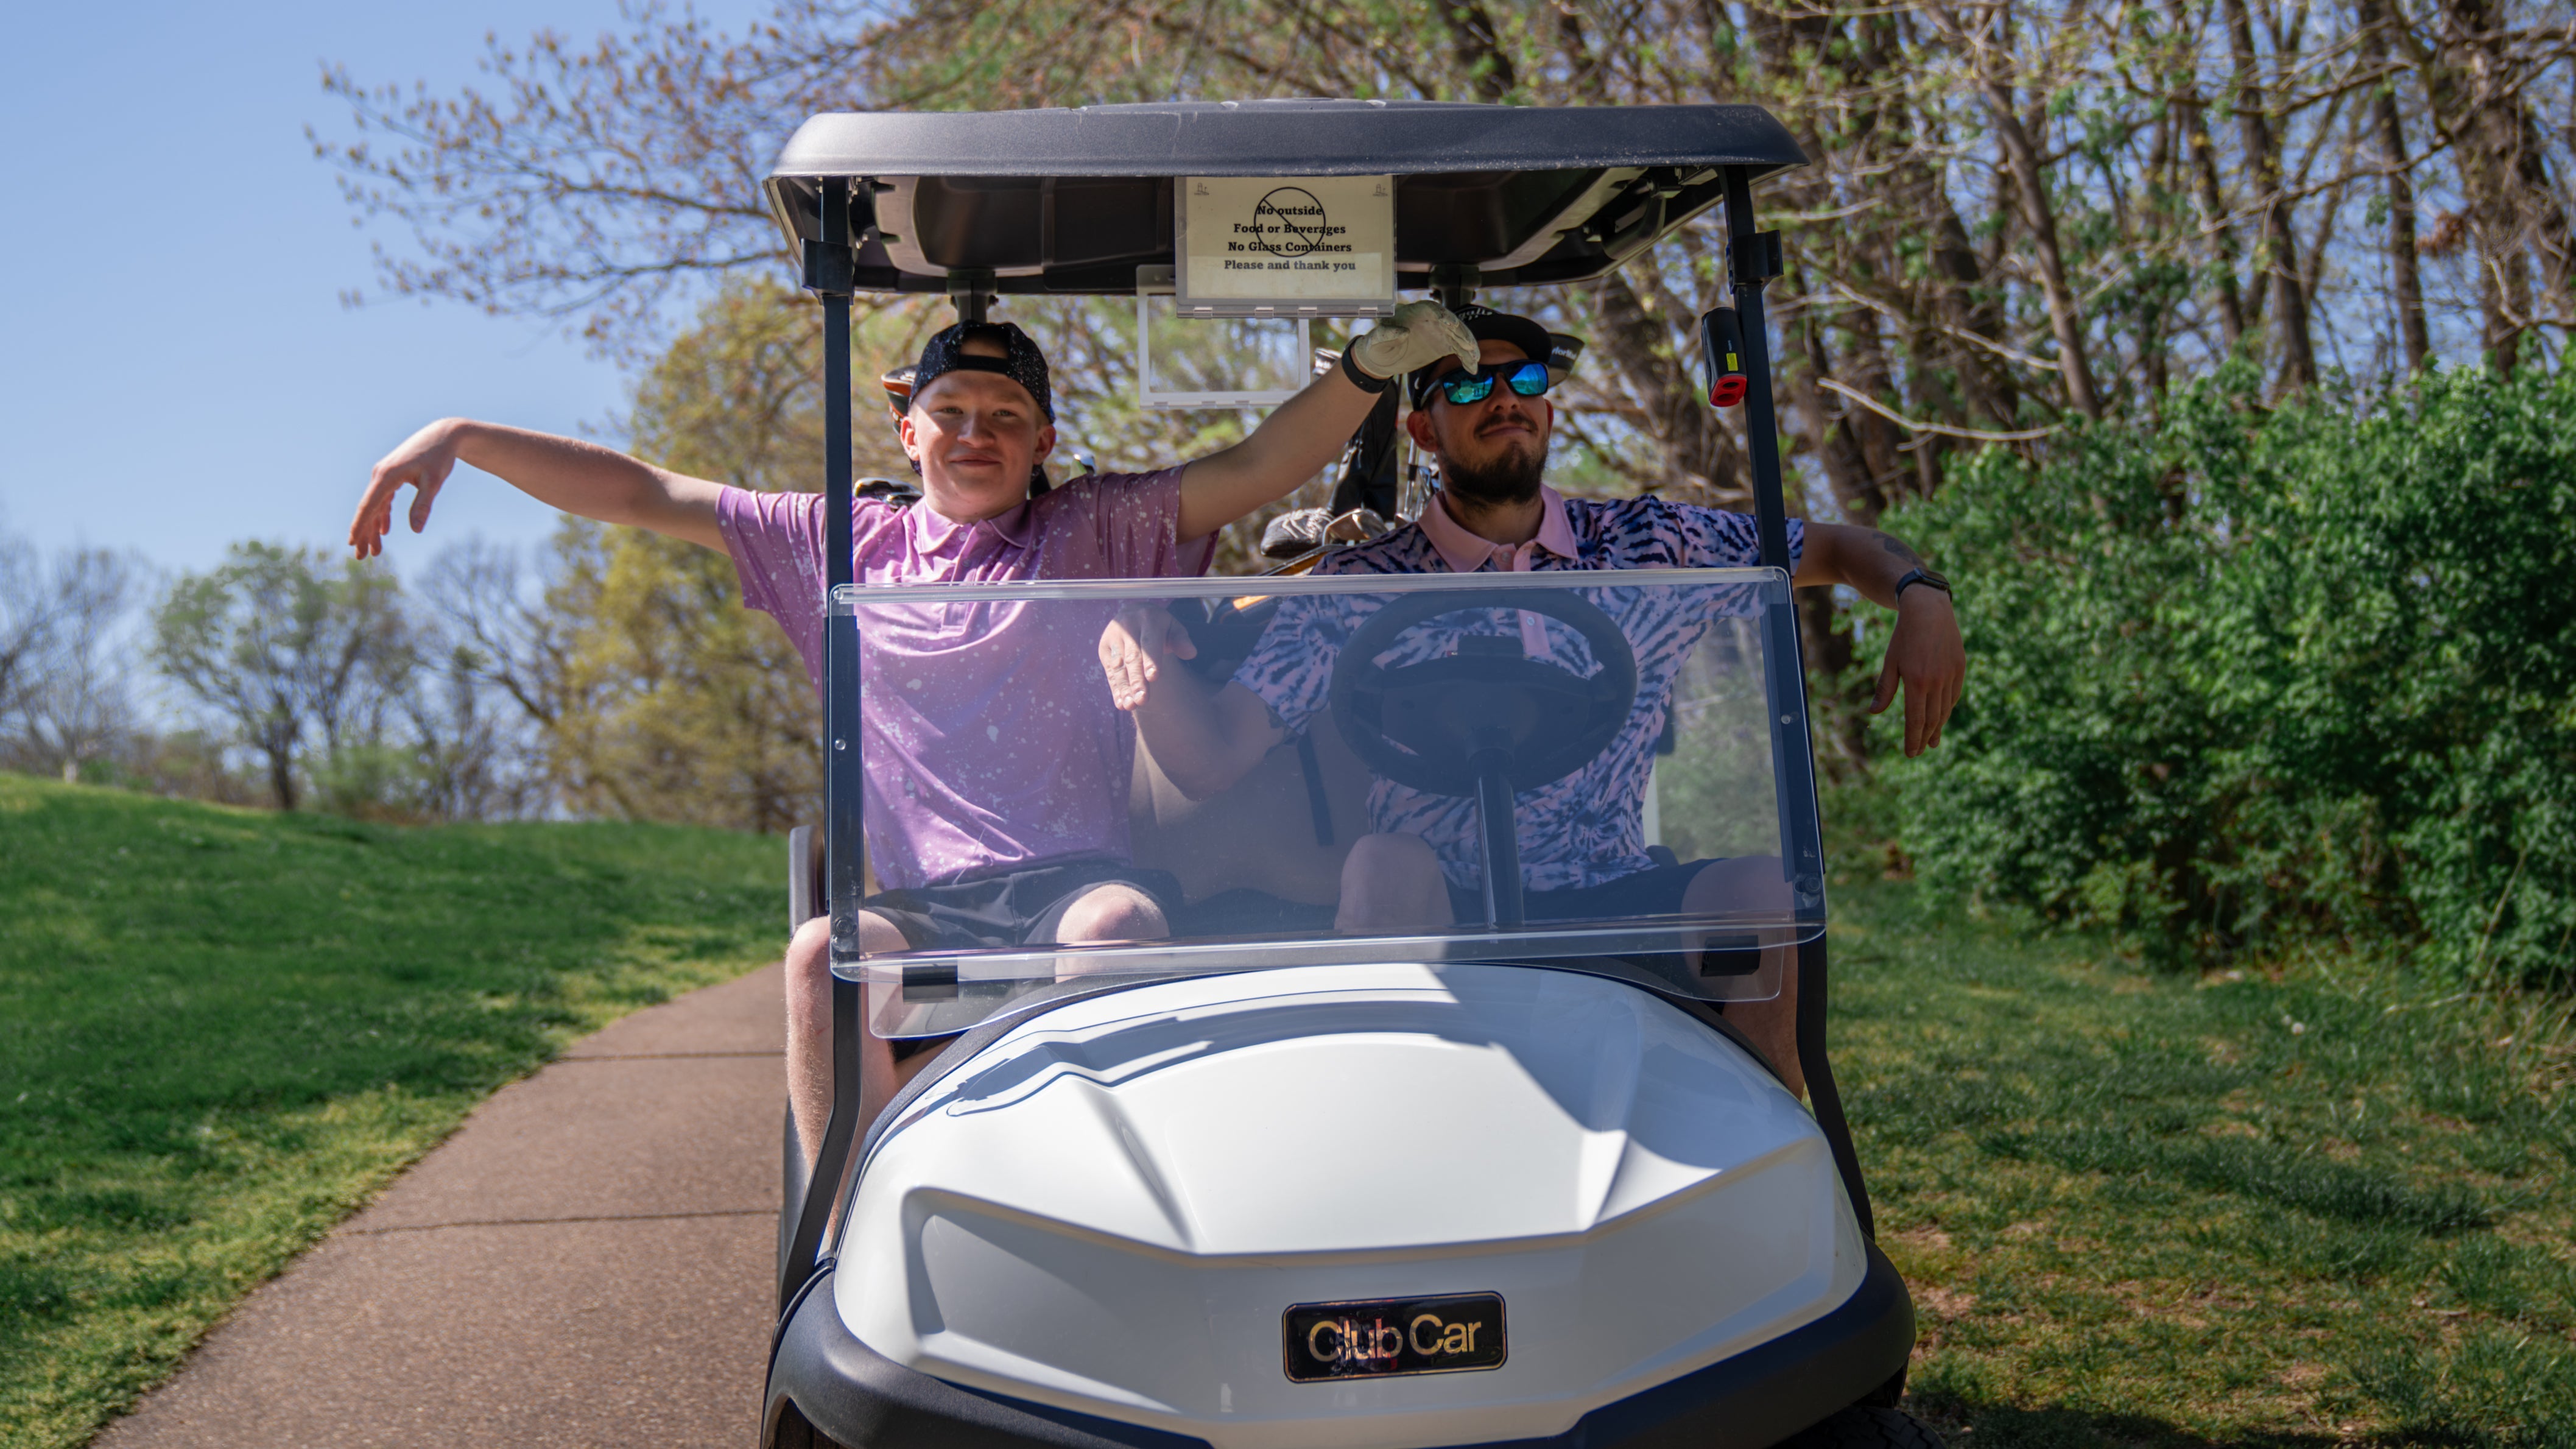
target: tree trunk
<point>2406,277</point>
<point>1477,45</point>
<point>2511,267</point>
<point>2477,106</point>
<point>2037,213</point>
<point>2548,226</point>
<point>2280,242</point>
<point>281,774</point>
<point>1837,452</point>
<point>1695,440</point>
<point>2193,118</point>
<point>1826,631</point>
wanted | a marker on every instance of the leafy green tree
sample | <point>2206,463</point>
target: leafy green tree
<point>2281,673</point>
<point>685,706</point>
<point>296,653</point>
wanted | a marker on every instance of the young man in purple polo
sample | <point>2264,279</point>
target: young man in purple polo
<point>978,845</point>
<point>1582,853</point>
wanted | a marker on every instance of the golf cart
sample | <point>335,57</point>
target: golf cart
<point>1264,1183</point>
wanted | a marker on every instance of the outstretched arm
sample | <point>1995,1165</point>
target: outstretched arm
<point>1309,430</point>
<point>567,473</point>
<point>1924,654</point>
<point>1205,738</point>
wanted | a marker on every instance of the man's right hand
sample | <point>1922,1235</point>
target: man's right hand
<point>1133,648</point>
<point>578,477</point>
<point>424,460</point>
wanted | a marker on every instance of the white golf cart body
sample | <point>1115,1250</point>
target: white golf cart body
<point>1263,1183</point>
<point>1111,1210</point>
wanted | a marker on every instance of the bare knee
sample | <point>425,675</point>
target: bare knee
<point>1389,857</point>
<point>1392,882</point>
<point>1743,885</point>
<point>809,952</point>
<point>1113,913</point>
<point>809,967</point>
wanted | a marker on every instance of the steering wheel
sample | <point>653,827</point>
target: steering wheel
<point>1446,725</point>
<point>1486,721</point>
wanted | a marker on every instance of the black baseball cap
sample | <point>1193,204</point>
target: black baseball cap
<point>1487,325</point>
<point>1020,361</point>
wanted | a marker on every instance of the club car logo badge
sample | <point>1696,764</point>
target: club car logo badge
<point>1384,1337</point>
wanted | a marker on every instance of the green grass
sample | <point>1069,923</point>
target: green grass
<point>2314,1205</point>
<point>221,1031</point>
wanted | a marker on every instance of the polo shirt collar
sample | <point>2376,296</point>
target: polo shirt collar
<point>933,531</point>
<point>1465,552</point>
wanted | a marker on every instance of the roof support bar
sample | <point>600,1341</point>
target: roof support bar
<point>1753,259</point>
<point>829,263</point>
<point>1453,284</point>
<point>972,289</point>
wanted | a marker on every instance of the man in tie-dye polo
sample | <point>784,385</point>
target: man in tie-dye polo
<point>1582,856</point>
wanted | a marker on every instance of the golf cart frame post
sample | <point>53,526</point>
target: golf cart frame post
<point>1753,259</point>
<point>828,261</point>
<point>1635,173</point>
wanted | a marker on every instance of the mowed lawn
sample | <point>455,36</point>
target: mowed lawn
<point>222,1030</point>
<point>2321,1205</point>
<point>2328,1205</point>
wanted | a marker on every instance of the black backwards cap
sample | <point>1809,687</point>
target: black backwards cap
<point>1487,325</point>
<point>1021,361</point>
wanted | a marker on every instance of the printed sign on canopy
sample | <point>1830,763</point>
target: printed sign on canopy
<point>1318,246</point>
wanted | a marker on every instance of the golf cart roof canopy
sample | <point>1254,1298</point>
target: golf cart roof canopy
<point>1073,202</point>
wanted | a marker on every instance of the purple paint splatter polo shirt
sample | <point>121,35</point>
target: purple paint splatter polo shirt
<point>987,738</point>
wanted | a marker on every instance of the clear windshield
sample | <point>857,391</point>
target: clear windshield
<point>1576,769</point>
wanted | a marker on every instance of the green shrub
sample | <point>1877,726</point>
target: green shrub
<point>2248,675</point>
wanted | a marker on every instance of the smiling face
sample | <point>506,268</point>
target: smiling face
<point>976,436</point>
<point>1497,445</point>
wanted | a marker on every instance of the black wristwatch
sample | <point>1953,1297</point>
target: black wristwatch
<point>1920,576</point>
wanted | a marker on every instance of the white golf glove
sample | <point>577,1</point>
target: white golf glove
<point>1418,335</point>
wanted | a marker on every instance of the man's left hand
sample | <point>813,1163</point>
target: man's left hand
<point>1925,655</point>
<point>1418,335</point>
<point>1133,648</point>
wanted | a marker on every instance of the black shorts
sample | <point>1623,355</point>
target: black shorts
<point>1018,908</point>
<point>1656,891</point>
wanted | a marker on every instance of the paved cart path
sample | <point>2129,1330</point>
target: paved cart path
<point>585,1263</point>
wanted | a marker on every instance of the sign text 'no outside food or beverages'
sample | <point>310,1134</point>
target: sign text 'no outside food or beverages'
<point>1305,243</point>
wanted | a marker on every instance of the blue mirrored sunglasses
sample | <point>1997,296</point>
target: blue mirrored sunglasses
<point>1524,378</point>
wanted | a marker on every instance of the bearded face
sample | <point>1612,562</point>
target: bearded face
<point>1507,473</point>
<point>1491,452</point>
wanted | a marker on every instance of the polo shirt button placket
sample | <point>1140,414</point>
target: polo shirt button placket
<point>1533,630</point>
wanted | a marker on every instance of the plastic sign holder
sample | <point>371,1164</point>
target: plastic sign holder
<point>1289,246</point>
<point>1271,368</point>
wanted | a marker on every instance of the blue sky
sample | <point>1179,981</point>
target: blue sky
<point>176,368</point>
